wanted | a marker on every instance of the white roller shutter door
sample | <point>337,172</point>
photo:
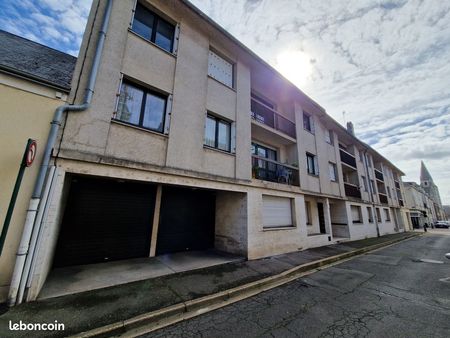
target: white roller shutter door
<point>277,212</point>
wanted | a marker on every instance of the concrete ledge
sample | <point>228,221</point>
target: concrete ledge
<point>155,320</point>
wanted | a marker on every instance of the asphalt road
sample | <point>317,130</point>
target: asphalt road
<point>387,293</point>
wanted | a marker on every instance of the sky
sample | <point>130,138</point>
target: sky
<point>385,63</point>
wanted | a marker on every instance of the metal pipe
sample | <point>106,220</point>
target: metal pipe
<point>35,201</point>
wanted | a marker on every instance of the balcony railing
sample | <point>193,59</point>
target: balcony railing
<point>383,198</point>
<point>397,184</point>
<point>269,170</point>
<point>379,175</point>
<point>352,190</point>
<point>347,158</point>
<point>266,115</point>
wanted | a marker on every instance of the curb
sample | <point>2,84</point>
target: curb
<point>157,319</point>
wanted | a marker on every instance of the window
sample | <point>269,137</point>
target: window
<point>372,186</point>
<point>364,183</point>
<point>220,69</point>
<point>369,214</point>
<point>356,213</point>
<point>308,213</point>
<point>361,156</point>
<point>389,192</point>
<point>329,137</point>
<point>311,164</point>
<point>217,133</point>
<point>368,160</point>
<point>153,28</point>
<point>378,214</point>
<point>141,107</point>
<point>277,212</point>
<point>332,171</point>
<point>308,123</point>
<point>387,215</point>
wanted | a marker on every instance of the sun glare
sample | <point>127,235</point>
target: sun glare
<point>295,66</point>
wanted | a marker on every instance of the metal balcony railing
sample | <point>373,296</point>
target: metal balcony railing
<point>379,175</point>
<point>266,115</point>
<point>383,198</point>
<point>269,170</point>
<point>347,158</point>
<point>352,190</point>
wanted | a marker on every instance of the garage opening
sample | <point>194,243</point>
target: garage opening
<point>105,220</point>
<point>187,220</point>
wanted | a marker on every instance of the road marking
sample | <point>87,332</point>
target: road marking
<point>431,261</point>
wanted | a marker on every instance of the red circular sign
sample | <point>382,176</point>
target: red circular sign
<point>31,153</point>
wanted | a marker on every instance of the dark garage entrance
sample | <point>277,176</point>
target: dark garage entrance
<point>187,220</point>
<point>105,220</point>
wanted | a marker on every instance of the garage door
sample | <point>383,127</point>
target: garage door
<point>277,211</point>
<point>105,220</point>
<point>187,220</point>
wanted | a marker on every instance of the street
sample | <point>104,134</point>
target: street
<point>387,293</point>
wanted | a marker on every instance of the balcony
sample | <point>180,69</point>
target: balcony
<point>269,117</point>
<point>379,175</point>
<point>397,185</point>
<point>269,170</point>
<point>383,198</point>
<point>352,190</point>
<point>347,158</point>
<point>401,203</point>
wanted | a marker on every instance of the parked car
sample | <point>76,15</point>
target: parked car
<point>442,224</point>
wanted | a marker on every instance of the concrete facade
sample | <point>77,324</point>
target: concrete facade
<point>96,143</point>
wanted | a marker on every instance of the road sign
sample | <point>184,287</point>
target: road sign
<point>30,153</point>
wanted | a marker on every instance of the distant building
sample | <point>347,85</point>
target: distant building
<point>446,211</point>
<point>34,80</point>
<point>421,208</point>
<point>426,182</point>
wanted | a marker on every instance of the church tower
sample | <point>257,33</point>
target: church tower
<point>426,182</point>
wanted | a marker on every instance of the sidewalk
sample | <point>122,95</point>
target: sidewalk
<point>93,309</point>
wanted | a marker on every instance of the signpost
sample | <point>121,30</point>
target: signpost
<point>27,160</point>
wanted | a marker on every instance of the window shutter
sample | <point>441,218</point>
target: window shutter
<point>316,165</point>
<point>176,39</point>
<point>168,114</point>
<point>119,89</point>
<point>233,137</point>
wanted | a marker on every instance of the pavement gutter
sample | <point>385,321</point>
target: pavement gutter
<point>154,320</point>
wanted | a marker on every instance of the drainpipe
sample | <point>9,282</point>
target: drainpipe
<point>20,274</point>
<point>374,214</point>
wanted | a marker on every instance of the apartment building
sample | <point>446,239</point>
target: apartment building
<point>192,142</point>
<point>420,205</point>
<point>34,80</point>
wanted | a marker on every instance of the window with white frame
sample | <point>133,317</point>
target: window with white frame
<point>387,215</point>
<point>364,183</point>
<point>332,169</point>
<point>378,214</point>
<point>370,214</point>
<point>308,213</point>
<point>308,123</point>
<point>312,165</point>
<point>356,213</point>
<point>220,69</point>
<point>329,136</point>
